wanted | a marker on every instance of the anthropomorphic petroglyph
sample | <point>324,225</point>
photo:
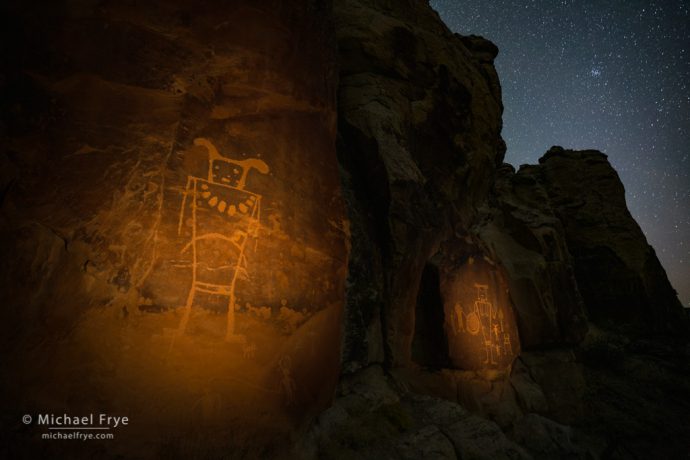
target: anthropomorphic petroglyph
<point>221,195</point>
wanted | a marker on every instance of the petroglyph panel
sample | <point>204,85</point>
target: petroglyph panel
<point>480,324</point>
<point>177,236</point>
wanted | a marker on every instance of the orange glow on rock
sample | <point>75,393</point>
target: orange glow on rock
<point>480,323</point>
<point>183,254</point>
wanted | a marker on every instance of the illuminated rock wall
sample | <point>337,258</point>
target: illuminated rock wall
<point>480,322</point>
<point>174,241</point>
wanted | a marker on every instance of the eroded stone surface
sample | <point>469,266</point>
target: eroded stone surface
<point>419,121</point>
<point>367,422</point>
<point>618,274</point>
<point>527,239</point>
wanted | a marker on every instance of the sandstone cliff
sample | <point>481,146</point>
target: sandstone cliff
<point>285,229</point>
<point>419,128</point>
<point>435,219</point>
<point>618,274</point>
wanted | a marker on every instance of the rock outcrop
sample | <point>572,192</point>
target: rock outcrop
<point>618,273</point>
<point>440,229</point>
<point>573,252</point>
<point>419,129</point>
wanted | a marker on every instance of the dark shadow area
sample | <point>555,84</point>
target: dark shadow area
<point>430,344</point>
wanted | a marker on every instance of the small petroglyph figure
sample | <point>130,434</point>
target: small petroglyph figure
<point>496,330</point>
<point>507,346</point>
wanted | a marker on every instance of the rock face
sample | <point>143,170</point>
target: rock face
<point>573,252</point>
<point>527,238</point>
<point>172,225</point>
<point>216,216</point>
<point>459,264</point>
<point>618,274</point>
<point>372,420</point>
<point>419,125</point>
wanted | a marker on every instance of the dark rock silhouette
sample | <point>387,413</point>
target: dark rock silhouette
<point>618,274</point>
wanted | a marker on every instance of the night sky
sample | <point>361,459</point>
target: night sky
<point>612,75</point>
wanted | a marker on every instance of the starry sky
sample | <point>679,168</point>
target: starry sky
<point>613,75</point>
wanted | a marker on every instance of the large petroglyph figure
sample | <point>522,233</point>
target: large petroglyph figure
<point>223,217</point>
